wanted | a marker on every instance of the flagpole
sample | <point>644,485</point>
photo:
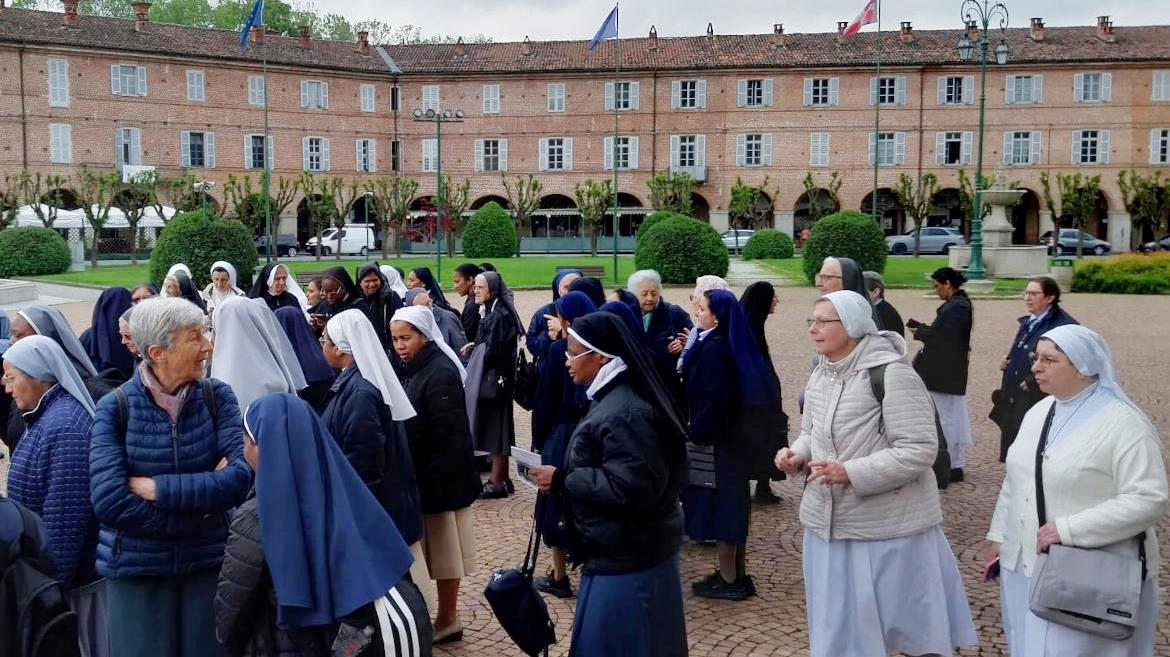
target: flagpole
<point>268,157</point>
<point>877,114</point>
<point>617,46</point>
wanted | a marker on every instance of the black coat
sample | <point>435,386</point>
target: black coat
<point>376,446</point>
<point>439,436</point>
<point>621,484</point>
<point>946,346</point>
<point>666,321</point>
<point>470,319</point>
<point>888,318</point>
<point>380,308</point>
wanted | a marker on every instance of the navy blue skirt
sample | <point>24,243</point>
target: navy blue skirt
<point>723,513</point>
<point>550,509</point>
<point>634,615</point>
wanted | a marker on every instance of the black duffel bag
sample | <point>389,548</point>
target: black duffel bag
<point>518,606</point>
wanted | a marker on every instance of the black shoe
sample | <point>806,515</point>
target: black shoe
<point>493,491</point>
<point>716,588</point>
<point>509,486</point>
<point>764,494</point>
<point>956,475</point>
<point>561,588</point>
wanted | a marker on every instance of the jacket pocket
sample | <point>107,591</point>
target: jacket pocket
<point>117,545</point>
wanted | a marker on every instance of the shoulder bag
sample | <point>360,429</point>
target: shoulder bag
<point>518,606</point>
<point>1092,590</point>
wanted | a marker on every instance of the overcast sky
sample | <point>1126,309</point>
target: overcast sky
<point>512,20</point>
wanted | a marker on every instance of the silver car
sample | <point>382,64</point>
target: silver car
<point>730,237</point>
<point>934,240</point>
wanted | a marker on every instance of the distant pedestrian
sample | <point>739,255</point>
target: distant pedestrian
<point>278,288</point>
<point>382,299</point>
<point>664,324</point>
<point>464,280</point>
<point>888,318</point>
<point>536,340</point>
<point>222,285</point>
<point>770,427</point>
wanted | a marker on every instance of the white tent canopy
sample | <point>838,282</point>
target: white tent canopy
<point>26,216</point>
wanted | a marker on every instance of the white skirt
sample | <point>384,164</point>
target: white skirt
<point>955,418</point>
<point>899,595</point>
<point>1028,635</point>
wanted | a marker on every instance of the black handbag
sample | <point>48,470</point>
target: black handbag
<point>518,606</point>
<point>526,382</point>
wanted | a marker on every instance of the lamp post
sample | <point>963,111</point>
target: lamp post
<point>438,118</point>
<point>980,14</point>
<point>204,188</point>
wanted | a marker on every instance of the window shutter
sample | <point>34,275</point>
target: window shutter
<point>373,155</point>
<point>701,94</point>
<point>135,146</point>
<point>304,151</point>
<point>609,96</point>
<point>701,151</point>
<point>304,93</point>
<point>834,91</point>
<point>67,143</point>
<point>633,153</point>
<point>118,142</point>
<point>940,146</point>
<point>324,95</point>
<point>607,155</point>
<point>674,150</point>
<point>872,148</point>
<point>899,148</point>
<point>1103,146</point>
<point>542,164</point>
<point>808,85</point>
<point>1009,89</point>
<point>1076,147</point>
<point>357,149</point>
<point>248,151</point>
<point>115,81</point>
<point>1037,88</point>
<point>635,95</point>
<point>1008,141</point>
<point>968,89</point>
<point>1106,87</point>
<point>479,155</point>
<point>568,153</point>
<point>209,149</point>
<point>966,146</point>
<point>141,80</point>
<point>1079,87</point>
<point>325,163</point>
<point>767,92</point>
<point>873,91</point>
<point>1034,146</point>
<point>503,155</point>
<point>675,94</point>
<point>1155,145</point>
<point>740,150</point>
<point>942,90</point>
<point>766,150</point>
<point>900,90</point>
<point>741,93</point>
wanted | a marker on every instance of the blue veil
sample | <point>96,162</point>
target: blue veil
<point>755,379</point>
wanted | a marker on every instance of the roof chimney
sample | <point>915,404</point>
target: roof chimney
<point>141,15</point>
<point>303,36</point>
<point>257,34</point>
<point>841,25</point>
<point>778,34</point>
<point>526,47</point>
<point>710,30</point>
<point>1105,29</point>
<point>460,48</point>
<point>972,30</point>
<point>1037,31</point>
<point>71,18</point>
<point>907,32</point>
<point>363,43</point>
<point>653,38</point>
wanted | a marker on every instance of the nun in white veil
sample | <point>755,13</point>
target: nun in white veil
<point>252,353</point>
<point>394,280</point>
<point>221,288</point>
<point>1104,487</point>
<point>423,319</point>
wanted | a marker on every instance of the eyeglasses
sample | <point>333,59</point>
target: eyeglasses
<point>6,379</point>
<point>820,278</point>
<point>569,359</point>
<point>817,322</point>
<point>1044,362</point>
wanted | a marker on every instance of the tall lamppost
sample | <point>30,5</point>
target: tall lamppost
<point>981,14</point>
<point>438,118</point>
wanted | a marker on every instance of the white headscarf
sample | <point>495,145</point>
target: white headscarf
<point>226,266</point>
<point>394,280</point>
<point>178,266</point>
<point>290,285</point>
<point>423,319</point>
<point>353,334</point>
<point>1087,351</point>
<point>855,311</point>
<point>252,353</point>
<point>43,359</point>
<point>708,282</point>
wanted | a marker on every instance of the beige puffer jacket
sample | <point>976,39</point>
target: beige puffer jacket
<point>887,450</point>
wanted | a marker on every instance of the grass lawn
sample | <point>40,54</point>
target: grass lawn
<point>524,272</point>
<point>900,272</point>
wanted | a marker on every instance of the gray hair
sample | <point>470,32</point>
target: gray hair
<point>643,276</point>
<point>156,320</point>
<point>874,281</point>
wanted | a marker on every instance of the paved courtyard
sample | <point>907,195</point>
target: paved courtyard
<point>773,623</point>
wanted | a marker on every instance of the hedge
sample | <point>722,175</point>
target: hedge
<point>681,249</point>
<point>845,235</point>
<point>652,219</point>
<point>490,233</point>
<point>32,251</point>
<point>197,241</point>
<point>1127,274</point>
<point>768,243</point>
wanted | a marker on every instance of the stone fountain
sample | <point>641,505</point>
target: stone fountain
<point>1002,259</point>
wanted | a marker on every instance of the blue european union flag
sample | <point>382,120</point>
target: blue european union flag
<point>255,18</point>
<point>608,29</point>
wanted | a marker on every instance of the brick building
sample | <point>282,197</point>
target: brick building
<point>106,92</point>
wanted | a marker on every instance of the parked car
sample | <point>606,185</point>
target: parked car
<point>934,240</point>
<point>730,238</point>
<point>286,245</point>
<point>1160,245</point>
<point>348,240</point>
<point>1068,243</point>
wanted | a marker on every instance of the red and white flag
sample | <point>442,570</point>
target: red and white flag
<point>868,15</point>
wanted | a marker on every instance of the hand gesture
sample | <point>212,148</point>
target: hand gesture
<point>831,473</point>
<point>543,477</point>
<point>554,326</point>
<point>789,461</point>
<point>144,487</point>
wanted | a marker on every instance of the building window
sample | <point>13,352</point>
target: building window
<point>956,90</point>
<point>688,94</point>
<point>430,97</point>
<point>753,150</point>
<point>198,149</point>
<point>1090,147</point>
<point>314,94</point>
<point>367,156</point>
<point>127,146</point>
<point>394,98</point>
<point>127,80</point>
<point>621,96</point>
<point>1021,147</point>
<point>1093,87</point>
<point>255,153</point>
<point>556,154</point>
<point>430,155</point>
<point>491,154</point>
<point>1023,89</point>
<point>395,155</point>
<point>887,91</point>
<point>315,154</point>
<point>256,90</point>
<point>1159,146</point>
<point>953,148</point>
<point>369,96</point>
<point>888,147</point>
<point>58,83</point>
<point>556,97</point>
<point>1160,87</point>
<point>688,153</point>
<point>818,149</point>
<point>753,93</point>
<point>491,99</point>
<point>624,152</point>
<point>195,89</point>
<point>821,92</point>
<point>60,143</point>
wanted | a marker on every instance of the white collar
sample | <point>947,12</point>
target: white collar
<point>606,375</point>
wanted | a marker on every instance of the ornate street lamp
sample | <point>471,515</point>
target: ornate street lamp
<point>981,15</point>
<point>437,117</point>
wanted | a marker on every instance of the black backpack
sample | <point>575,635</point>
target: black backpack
<point>35,618</point>
<point>942,460</point>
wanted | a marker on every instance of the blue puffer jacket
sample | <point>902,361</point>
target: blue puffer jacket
<point>185,529</point>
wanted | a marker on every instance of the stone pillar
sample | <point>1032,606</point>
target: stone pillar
<point>720,221</point>
<point>785,222</point>
<point>1119,231</point>
<point>1045,221</point>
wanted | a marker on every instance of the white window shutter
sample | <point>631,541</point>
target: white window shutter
<point>270,153</point>
<point>568,153</point>
<point>808,99</point>
<point>325,163</point>
<point>966,146</point>
<point>942,90</point>
<point>609,96</point>
<point>479,155</point>
<point>357,150</point>
<point>701,151</point>
<point>1103,146</point>
<point>1106,87</point>
<point>304,93</point>
<point>1008,141</point>
<point>635,95</point>
<point>826,148</point>
<point>373,155</point>
<point>633,153</point>
<point>248,152</point>
<point>607,154</point>
<point>740,150</point>
<point>135,146</point>
<point>141,80</point>
<point>118,147</point>
<point>834,91</point>
<point>324,95</point>
<point>305,153</point>
<point>741,93</point>
<point>1076,147</point>
<point>968,89</point>
<point>185,148</point>
<point>1037,88</point>
<point>503,154</point>
<point>873,91</point>
<point>872,148</point>
<point>209,149</point>
<point>701,94</point>
<point>767,92</point>
<point>1034,146</point>
<point>1155,145</point>
<point>674,150</point>
<point>67,136</point>
<point>115,81</point>
<point>542,149</point>
<point>899,148</point>
<point>1079,87</point>
<point>900,90</point>
<point>940,147</point>
<point>1009,89</point>
<point>675,94</point>
<point>766,150</point>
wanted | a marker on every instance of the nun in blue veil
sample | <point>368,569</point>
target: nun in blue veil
<point>626,313</point>
<point>318,375</point>
<point>537,339</point>
<point>313,562</point>
<point>103,341</point>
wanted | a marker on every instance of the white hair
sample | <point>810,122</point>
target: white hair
<point>156,320</point>
<point>643,276</point>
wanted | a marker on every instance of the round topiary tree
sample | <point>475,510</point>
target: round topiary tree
<point>32,251</point>
<point>652,219</point>
<point>197,241</point>
<point>490,233</point>
<point>768,243</point>
<point>681,249</point>
<point>845,235</point>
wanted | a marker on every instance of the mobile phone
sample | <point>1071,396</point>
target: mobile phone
<point>991,571</point>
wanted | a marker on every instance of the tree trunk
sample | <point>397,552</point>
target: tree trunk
<point>385,241</point>
<point>134,243</point>
<point>397,242</point>
<point>593,241</point>
<point>451,244</point>
<point>320,246</point>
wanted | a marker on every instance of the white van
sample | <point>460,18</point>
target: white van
<point>350,239</point>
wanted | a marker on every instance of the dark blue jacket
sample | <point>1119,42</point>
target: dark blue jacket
<point>537,339</point>
<point>666,320</point>
<point>184,530</point>
<point>1024,345</point>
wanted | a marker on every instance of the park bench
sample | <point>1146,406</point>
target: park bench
<point>596,271</point>
<point>304,277</point>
